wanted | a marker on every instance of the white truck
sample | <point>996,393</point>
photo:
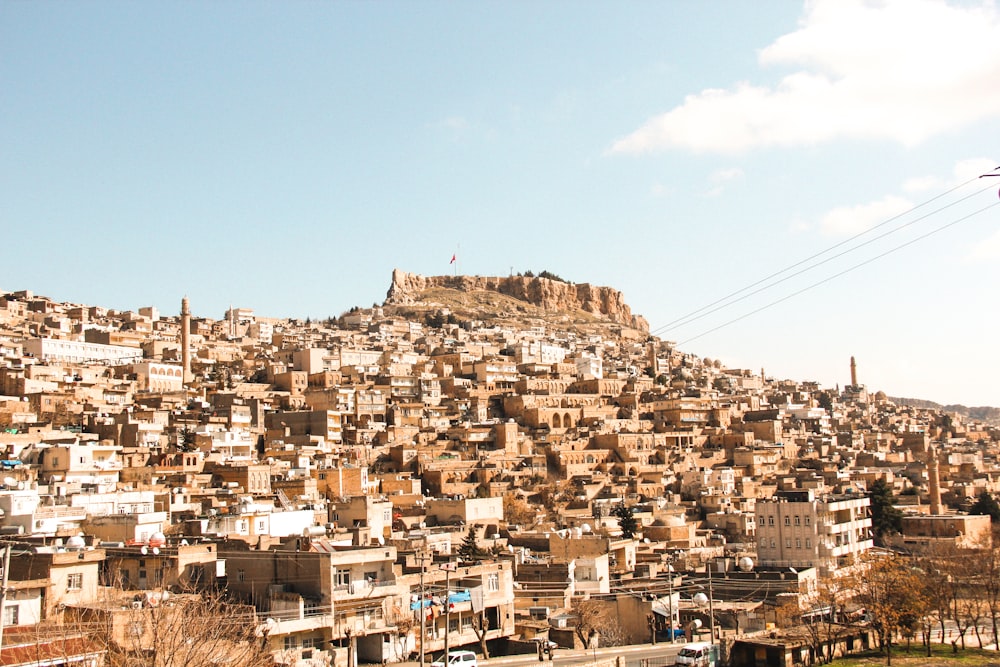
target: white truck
<point>698,654</point>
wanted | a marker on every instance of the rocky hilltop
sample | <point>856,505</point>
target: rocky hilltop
<point>549,295</point>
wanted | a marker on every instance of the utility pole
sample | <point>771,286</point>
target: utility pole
<point>3,589</point>
<point>711,610</point>
<point>448,568</point>
<point>670,599</point>
<point>423,611</point>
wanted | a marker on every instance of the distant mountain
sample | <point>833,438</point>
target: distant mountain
<point>983,413</point>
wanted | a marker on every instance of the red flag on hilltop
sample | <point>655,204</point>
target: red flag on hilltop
<point>453,258</point>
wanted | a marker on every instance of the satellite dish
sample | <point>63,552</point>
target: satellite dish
<point>144,551</point>
<point>156,551</point>
<point>10,481</point>
<point>745,564</point>
<point>700,599</point>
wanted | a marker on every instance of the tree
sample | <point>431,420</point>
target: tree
<point>626,519</point>
<point>986,504</point>
<point>823,621</point>
<point>481,625</point>
<point>517,511</point>
<point>886,518</point>
<point>890,591</point>
<point>469,550</point>
<point>597,622</point>
<point>185,439</point>
<point>182,630</point>
<point>990,568</point>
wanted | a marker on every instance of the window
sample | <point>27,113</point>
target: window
<point>241,575</point>
<point>762,521</point>
<point>493,582</point>
<point>797,522</point>
<point>808,520</point>
<point>798,543</point>
<point>788,543</point>
<point>291,643</point>
<point>788,520</point>
<point>10,614</point>
<point>809,543</point>
<point>772,543</point>
<point>770,520</point>
<point>341,577</point>
<point>74,582</point>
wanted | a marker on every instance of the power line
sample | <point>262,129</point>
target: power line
<point>689,317</point>
<point>725,302</point>
<point>840,273</point>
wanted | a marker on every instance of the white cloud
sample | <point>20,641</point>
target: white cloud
<point>901,70</point>
<point>724,175</point>
<point>854,219</point>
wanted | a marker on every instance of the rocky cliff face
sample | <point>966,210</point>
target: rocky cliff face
<point>550,295</point>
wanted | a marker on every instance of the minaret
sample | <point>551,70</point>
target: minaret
<point>854,373</point>
<point>186,339</point>
<point>934,482</point>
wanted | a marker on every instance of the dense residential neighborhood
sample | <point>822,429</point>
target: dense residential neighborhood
<point>395,482</point>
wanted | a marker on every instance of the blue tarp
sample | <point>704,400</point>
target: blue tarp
<point>454,598</point>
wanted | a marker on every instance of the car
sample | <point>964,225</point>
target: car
<point>458,659</point>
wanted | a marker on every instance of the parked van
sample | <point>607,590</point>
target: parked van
<point>698,654</point>
<point>458,659</point>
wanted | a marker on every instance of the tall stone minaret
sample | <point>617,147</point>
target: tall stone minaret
<point>934,482</point>
<point>854,373</point>
<point>186,339</point>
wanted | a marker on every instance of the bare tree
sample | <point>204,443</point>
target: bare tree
<point>481,625</point>
<point>594,617</point>
<point>183,630</point>
<point>990,569</point>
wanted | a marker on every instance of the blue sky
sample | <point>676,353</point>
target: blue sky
<point>287,156</point>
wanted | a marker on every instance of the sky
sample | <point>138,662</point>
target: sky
<point>777,185</point>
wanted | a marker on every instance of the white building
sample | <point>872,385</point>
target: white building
<point>155,376</point>
<point>796,529</point>
<point>80,352</point>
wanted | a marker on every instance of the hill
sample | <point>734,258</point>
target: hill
<point>514,299</point>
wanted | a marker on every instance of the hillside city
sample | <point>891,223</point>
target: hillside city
<point>401,481</point>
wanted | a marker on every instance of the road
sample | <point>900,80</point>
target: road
<point>568,657</point>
